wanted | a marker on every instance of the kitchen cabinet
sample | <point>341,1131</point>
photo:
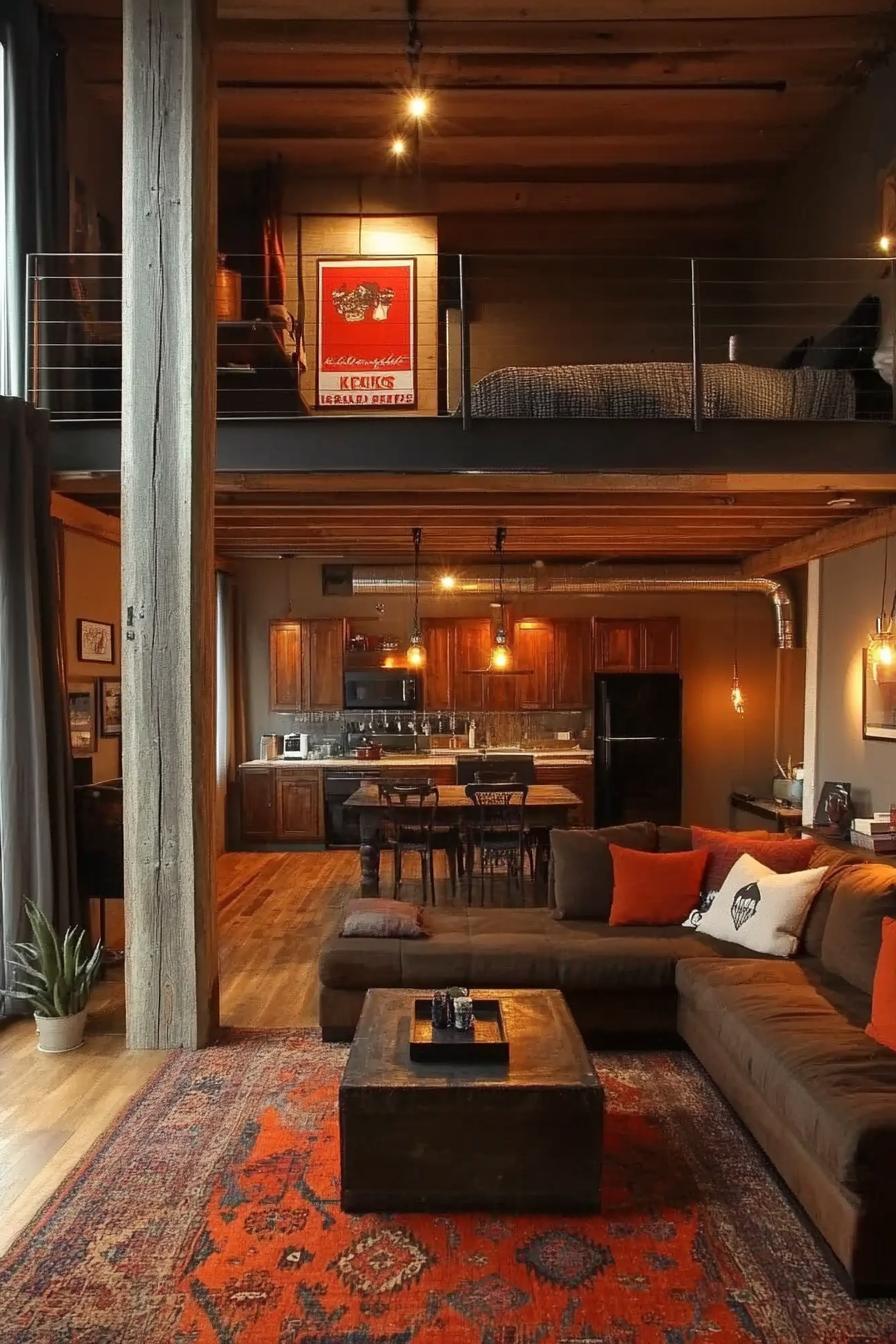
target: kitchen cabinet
<point>305,665</point>
<point>472,644</point>
<point>636,646</point>
<point>298,803</point>
<point>533,649</point>
<point>258,820</point>
<point>438,674</point>
<point>573,682</point>
<point>577,776</point>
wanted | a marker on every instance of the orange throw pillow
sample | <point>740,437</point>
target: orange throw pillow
<point>655,888</point>
<point>882,1027</point>
<point>709,836</point>
<point>782,855</point>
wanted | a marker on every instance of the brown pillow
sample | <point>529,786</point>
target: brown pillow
<point>863,898</point>
<point>583,867</point>
<point>372,917</point>
<point>674,839</point>
<point>835,860</point>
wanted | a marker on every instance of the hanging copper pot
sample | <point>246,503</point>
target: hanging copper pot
<point>228,293</point>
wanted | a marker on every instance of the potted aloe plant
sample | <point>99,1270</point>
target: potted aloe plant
<point>56,978</point>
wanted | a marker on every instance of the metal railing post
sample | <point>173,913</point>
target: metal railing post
<point>696,349</point>
<point>465,382</point>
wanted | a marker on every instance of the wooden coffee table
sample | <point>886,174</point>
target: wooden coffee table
<point>525,1135</point>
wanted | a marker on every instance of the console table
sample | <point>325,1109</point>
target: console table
<point>785,816</point>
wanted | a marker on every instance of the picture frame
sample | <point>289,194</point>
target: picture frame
<point>834,810</point>
<point>81,704</point>
<point>110,706</point>
<point>878,704</point>
<point>366,352</point>
<point>96,641</point>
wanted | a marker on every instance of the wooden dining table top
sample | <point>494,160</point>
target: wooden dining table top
<point>453,797</point>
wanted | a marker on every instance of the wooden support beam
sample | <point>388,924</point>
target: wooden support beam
<point>827,541</point>
<point>167,459</point>
<point>82,518</point>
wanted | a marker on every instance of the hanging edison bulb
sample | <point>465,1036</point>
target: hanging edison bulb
<point>737,696</point>
<point>416,653</point>
<point>500,657</point>
<point>882,650</point>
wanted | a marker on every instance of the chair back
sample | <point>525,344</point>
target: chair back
<point>499,811</point>
<point>494,777</point>
<point>409,811</point>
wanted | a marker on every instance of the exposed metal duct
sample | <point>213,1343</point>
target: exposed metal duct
<point>389,580</point>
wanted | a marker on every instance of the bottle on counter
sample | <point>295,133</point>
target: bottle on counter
<point>471,735</point>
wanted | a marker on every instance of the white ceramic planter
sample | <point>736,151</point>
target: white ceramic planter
<point>56,1035</point>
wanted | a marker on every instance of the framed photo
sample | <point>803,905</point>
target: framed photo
<point>110,707</point>
<point>366,332</point>
<point>96,642</point>
<point>834,811</point>
<point>82,717</point>
<point>878,702</point>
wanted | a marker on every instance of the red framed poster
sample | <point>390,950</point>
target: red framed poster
<point>366,332</point>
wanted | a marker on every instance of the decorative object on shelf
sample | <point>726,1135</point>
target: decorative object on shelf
<point>82,717</point>
<point>834,811</point>
<point>110,706</point>
<point>416,654</point>
<point>366,349</point>
<point>484,1041</point>
<point>787,787</point>
<point>501,656</point>
<point>55,978</point>
<point>451,993</point>
<point>462,1013</point>
<point>228,292</point>
<point>439,1008</point>
<point>96,642</point>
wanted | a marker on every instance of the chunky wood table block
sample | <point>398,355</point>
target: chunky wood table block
<point>520,1136</point>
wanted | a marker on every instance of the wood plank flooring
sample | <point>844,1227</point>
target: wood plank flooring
<point>275,910</point>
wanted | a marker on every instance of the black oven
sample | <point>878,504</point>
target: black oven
<point>382,688</point>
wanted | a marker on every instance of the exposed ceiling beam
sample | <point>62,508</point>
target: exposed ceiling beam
<point>82,518</point>
<point>827,541</point>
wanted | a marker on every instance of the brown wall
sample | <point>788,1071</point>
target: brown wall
<point>722,751</point>
<point>93,591</point>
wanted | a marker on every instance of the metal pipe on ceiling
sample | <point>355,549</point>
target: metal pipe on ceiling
<point>396,580</point>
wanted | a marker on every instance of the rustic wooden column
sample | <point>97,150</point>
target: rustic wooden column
<point>169,225</point>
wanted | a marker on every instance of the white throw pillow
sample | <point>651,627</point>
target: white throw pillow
<point>759,909</point>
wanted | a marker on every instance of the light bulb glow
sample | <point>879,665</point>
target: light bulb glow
<point>418,106</point>
<point>885,243</point>
<point>447,583</point>
<point>738,702</point>
<point>882,650</point>
<point>501,655</point>
<point>416,654</point>
<point>397,147</point>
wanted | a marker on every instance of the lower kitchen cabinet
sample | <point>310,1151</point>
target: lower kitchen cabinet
<point>578,777</point>
<point>280,803</point>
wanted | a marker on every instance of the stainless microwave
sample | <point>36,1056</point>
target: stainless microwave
<point>382,688</point>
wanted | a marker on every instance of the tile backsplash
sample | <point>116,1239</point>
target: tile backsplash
<point>537,729</point>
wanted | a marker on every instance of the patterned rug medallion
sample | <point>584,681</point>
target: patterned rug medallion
<point>209,1214</point>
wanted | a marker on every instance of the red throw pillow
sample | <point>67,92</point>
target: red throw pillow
<point>707,834</point>
<point>655,888</point>
<point>882,1027</point>
<point>781,856</point>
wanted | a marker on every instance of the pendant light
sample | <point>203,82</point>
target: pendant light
<point>501,655</point>
<point>738,702</point>
<point>416,654</point>
<point>882,643</point>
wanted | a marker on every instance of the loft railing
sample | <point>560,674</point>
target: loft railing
<point>481,337</point>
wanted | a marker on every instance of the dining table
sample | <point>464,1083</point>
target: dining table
<point>547,806</point>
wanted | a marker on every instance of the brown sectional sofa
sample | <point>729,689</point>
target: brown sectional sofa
<point>784,1041</point>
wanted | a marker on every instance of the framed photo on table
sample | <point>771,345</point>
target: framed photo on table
<point>366,333</point>
<point>96,642</point>
<point>82,717</point>
<point>110,706</point>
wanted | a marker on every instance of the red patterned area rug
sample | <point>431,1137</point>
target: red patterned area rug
<point>209,1214</point>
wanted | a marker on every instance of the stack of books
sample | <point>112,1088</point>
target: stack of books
<point>875,833</point>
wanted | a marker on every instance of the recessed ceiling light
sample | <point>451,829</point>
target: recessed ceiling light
<point>418,106</point>
<point>397,147</point>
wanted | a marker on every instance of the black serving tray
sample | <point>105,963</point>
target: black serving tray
<point>485,1043</point>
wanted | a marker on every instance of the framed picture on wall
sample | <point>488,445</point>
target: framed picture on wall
<point>110,707</point>
<point>366,332</point>
<point>96,642</point>
<point>82,717</point>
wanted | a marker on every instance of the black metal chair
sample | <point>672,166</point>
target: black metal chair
<point>409,827</point>
<point>496,832</point>
<point>533,835</point>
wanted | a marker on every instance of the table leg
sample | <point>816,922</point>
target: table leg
<point>369,854</point>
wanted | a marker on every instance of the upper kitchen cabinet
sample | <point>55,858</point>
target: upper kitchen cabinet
<point>572,664</point>
<point>636,646</point>
<point>533,650</point>
<point>472,645</point>
<point>306,665</point>
<point>438,674</point>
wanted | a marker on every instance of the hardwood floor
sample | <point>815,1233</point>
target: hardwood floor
<point>275,910</point>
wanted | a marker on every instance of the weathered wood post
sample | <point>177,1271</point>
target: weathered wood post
<point>169,227</point>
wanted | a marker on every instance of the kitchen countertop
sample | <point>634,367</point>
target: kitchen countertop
<point>574,757</point>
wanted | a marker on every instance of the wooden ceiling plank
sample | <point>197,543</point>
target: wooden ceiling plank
<point>827,541</point>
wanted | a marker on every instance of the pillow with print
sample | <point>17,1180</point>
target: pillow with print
<point>757,908</point>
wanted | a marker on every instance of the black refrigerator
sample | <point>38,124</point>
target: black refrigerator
<point>637,748</point>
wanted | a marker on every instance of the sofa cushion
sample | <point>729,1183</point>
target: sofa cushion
<point>594,956</point>
<point>831,1085</point>
<point>863,897</point>
<point>835,860</point>
<point>674,839</point>
<point>583,868</point>
<point>655,888</point>
<point>882,1027</point>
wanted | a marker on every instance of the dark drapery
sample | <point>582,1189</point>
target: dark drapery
<point>37,202</point>
<point>36,821</point>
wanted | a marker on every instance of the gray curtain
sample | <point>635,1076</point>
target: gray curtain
<point>230,712</point>
<point>36,820</point>
<point>37,200</point>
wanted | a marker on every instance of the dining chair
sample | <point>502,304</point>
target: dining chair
<point>496,832</point>
<point>409,827</point>
<point>534,835</point>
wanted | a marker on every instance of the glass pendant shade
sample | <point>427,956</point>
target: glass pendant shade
<point>416,654</point>
<point>501,655</point>
<point>882,650</point>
